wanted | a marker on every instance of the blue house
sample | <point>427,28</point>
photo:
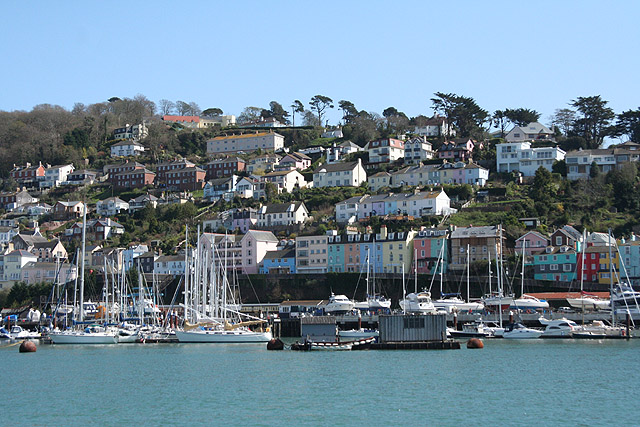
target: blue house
<point>282,261</point>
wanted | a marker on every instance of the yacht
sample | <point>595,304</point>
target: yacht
<point>419,303</point>
<point>453,302</point>
<point>92,334</point>
<point>519,331</point>
<point>528,302</point>
<point>339,304</point>
<point>625,296</point>
<point>588,302</point>
<point>472,330</point>
<point>558,328</point>
<point>496,300</point>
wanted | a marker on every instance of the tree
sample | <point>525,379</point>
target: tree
<point>461,111</point>
<point>249,115</point>
<point>628,124</point>
<point>595,118</point>
<point>319,104</point>
<point>277,112</point>
<point>521,116</point>
<point>182,108</point>
<point>166,106</point>
<point>559,167</point>
<point>499,120</point>
<point>309,118</point>
<point>212,112</point>
<point>296,107</point>
<point>348,110</point>
<point>594,170</point>
<point>194,109</point>
<point>397,121</point>
<point>543,187</point>
<point>563,119</point>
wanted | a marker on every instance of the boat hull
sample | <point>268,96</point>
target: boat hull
<point>223,337</point>
<point>83,338</point>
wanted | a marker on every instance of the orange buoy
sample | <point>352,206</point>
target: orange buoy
<point>275,344</point>
<point>475,343</point>
<point>27,347</point>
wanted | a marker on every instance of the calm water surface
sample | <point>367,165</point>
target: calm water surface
<point>537,382</point>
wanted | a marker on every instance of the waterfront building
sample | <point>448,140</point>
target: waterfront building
<point>396,249</point>
<point>482,243</point>
<point>281,261</point>
<point>556,264</point>
<point>431,245</point>
<point>336,247</point>
<point>630,257</point>
<point>312,254</point>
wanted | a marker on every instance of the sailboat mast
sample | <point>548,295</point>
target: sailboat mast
<point>613,311</point>
<point>84,236</point>
<point>186,273</point>
<point>467,272</point>
<point>404,290</point>
<point>415,261</point>
<point>524,246</point>
<point>584,244</point>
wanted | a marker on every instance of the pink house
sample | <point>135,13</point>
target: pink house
<point>460,149</point>
<point>534,242</point>
<point>255,245</point>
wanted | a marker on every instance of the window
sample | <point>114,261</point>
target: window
<point>553,267</point>
<point>558,240</point>
<point>566,267</point>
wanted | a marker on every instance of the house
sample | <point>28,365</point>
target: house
<point>556,264</point>
<point>81,177</point>
<point>136,178</point>
<point>630,257</point>
<point>415,176</point>
<point>7,234</point>
<point>28,175</point>
<point>243,219</point>
<point>531,241</point>
<point>336,153</point>
<point>243,254</point>
<point>386,150</point>
<point>336,244</point>
<point>348,211</point>
<point>114,169</point>
<point>600,239</point>
<point>532,132</point>
<point>131,253</point>
<point>163,168</point>
<point>218,188</point>
<point>221,168</point>
<point>268,122</point>
<point>13,200</point>
<point>111,206</point>
<point>250,188</point>
<point>35,209</point>
<point>191,122</point>
<point>217,121</point>
<point>579,162</point>
<point>142,201</point>
<point>350,174</point>
<point>132,132</point>
<point>417,149</point>
<point>457,150</point>
<point>333,133</point>
<point>41,247</point>
<point>397,250</point>
<point>97,230</point>
<point>64,211</point>
<point>146,262</point>
<point>250,142</point>
<point>379,180</point>
<point>48,272</point>
<point>294,161</point>
<point>435,126</point>
<point>311,254</point>
<point>111,257</point>
<point>126,148</point>
<point>285,180</point>
<point>172,265</point>
<point>55,175</point>
<point>261,164</point>
<point>282,214</point>
<point>188,178</point>
<point>521,157</point>
<point>566,236</point>
<point>282,261</point>
<point>481,241</point>
<point>463,173</point>
<point>14,262</point>
<point>431,250</point>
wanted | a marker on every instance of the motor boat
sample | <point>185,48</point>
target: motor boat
<point>558,328</point>
<point>528,302</point>
<point>519,331</point>
<point>472,330</point>
<point>625,296</point>
<point>18,333</point>
<point>589,302</point>
<point>494,300</point>
<point>453,302</point>
<point>353,334</point>
<point>418,303</point>
<point>339,304</point>
<point>599,330</point>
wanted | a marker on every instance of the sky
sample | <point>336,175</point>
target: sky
<point>230,55</point>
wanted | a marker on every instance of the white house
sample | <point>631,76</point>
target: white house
<point>520,156</point>
<point>169,264</point>
<point>7,233</point>
<point>265,141</point>
<point>435,126</point>
<point>531,132</point>
<point>55,175</point>
<point>337,152</point>
<point>13,263</point>
<point>262,164</point>
<point>347,210</point>
<point>385,150</point>
<point>126,148</point>
<point>417,150</point>
<point>214,189</point>
<point>282,214</point>
<point>142,201</point>
<point>134,132</point>
<point>131,253</point>
<point>416,176</point>
<point>111,206</point>
<point>463,173</point>
<point>579,162</point>
<point>379,180</point>
<point>285,180</point>
<point>335,133</point>
<point>350,174</point>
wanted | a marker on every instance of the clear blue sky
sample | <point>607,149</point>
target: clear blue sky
<point>505,54</point>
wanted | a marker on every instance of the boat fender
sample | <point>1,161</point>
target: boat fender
<point>27,347</point>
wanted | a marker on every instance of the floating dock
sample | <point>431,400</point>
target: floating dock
<point>416,345</point>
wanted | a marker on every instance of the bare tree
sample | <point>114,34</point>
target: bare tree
<point>166,106</point>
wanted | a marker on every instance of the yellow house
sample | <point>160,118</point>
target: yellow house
<point>397,250</point>
<point>603,270</point>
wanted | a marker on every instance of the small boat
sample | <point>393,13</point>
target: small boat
<point>223,335</point>
<point>625,296</point>
<point>339,304</point>
<point>598,330</point>
<point>418,303</point>
<point>496,300</point>
<point>472,330</point>
<point>519,331</point>
<point>589,302</point>
<point>358,333</point>
<point>558,328</point>
<point>528,302</point>
<point>18,333</point>
<point>92,334</point>
<point>307,345</point>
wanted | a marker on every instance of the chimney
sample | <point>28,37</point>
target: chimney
<point>383,232</point>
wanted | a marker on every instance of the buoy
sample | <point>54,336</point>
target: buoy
<point>27,347</point>
<point>475,343</point>
<point>275,344</point>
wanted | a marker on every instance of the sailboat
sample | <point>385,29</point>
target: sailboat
<point>527,302</point>
<point>211,314</point>
<point>92,334</point>
<point>453,302</point>
<point>497,301</point>
<point>374,302</point>
<point>586,301</point>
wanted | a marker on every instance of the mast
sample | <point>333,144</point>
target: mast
<point>84,231</point>
<point>613,311</point>
<point>524,246</point>
<point>75,288</point>
<point>467,272</point>
<point>186,273</point>
<point>584,244</point>
<point>415,258</point>
<point>404,291</point>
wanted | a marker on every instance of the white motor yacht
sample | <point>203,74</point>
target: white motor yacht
<point>453,302</point>
<point>558,328</point>
<point>418,303</point>
<point>519,331</point>
<point>339,304</point>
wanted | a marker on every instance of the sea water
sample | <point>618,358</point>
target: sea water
<point>528,382</point>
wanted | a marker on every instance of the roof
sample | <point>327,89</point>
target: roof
<point>225,160</point>
<point>540,235</point>
<point>556,250</point>
<point>263,236</point>
<point>281,207</point>
<point>112,199</point>
<point>380,175</point>
<point>124,143</point>
<point>219,181</point>
<point>283,253</point>
<point>280,173</point>
<point>298,155</point>
<point>22,252</point>
<point>244,136</point>
<point>533,127</point>
<point>350,144</point>
<point>70,204</point>
<point>169,118</point>
<point>336,167</point>
<point>136,171</point>
<point>483,231</point>
<point>167,258</point>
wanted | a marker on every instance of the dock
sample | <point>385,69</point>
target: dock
<point>417,345</point>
